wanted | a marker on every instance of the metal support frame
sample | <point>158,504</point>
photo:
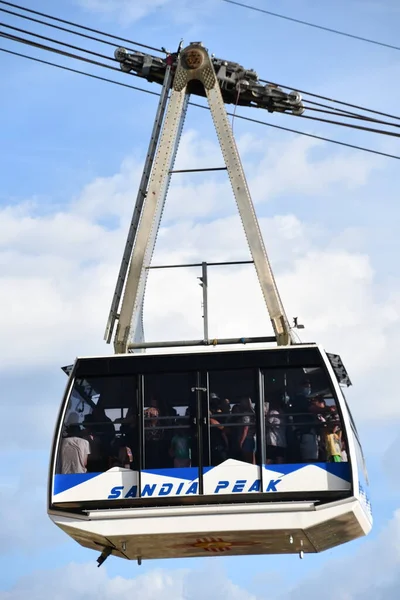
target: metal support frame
<point>204,282</point>
<point>130,319</point>
<point>247,213</point>
<point>199,170</point>
<point>216,342</point>
<point>194,63</point>
<point>141,195</point>
<point>204,285</point>
<point>209,264</point>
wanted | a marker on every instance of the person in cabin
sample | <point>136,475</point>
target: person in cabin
<point>275,431</point>
<point>180,449</point>
<point>74,451</point>
<point>333,442</point>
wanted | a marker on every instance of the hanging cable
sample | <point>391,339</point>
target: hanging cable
<point>58,20</point>
<point>330,30</point>
<point>351,126</point>
<point>152,48</point>
<point>343,112</point>
<point>287,87</point>
<point>106,57</point>
<point>311,135</point>
<point>64,68</point>
<point>59,28</point>
<point>54,41</point>
<point>97,54</point>
<point>347,115</point>
<point>30,11</point>
<point>242,117</point>
<point>15,38</point>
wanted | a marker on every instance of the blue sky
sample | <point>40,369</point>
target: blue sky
<point>71,153</point>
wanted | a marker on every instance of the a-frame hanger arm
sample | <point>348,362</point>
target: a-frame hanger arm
<point>194,65</point>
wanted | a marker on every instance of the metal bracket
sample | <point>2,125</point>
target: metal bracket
<point>140,199</point>
<point>104,555</point>
<point>194,65</point>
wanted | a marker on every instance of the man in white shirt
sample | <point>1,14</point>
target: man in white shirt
<point>74,452</point>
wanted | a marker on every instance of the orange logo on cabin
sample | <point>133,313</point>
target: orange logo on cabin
<point>210,544</point>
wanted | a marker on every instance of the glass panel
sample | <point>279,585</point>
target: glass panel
<point>233,409</point>
<point>233,398</point>
<point>99,431</point>
<point>168,437</point>
<point>98,452</point>
<point>303,426</point>
<point>302,422</point>
<point>362,467</point>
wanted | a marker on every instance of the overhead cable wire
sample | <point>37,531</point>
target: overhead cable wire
<point>15,38</point>
<point>359,127</point>
<point>30,11</point>
<point>49,39</point>
<point>70,55</point>
<point>104,56</point>
<point>339,111</point>
<point>59,28</point>
<point>242,117</point>
<point>329,29</point>
<point>292,87</point>
<point>84,59</point>
<point>311,135</point>
<point>348,115</point>
<point>64,68</point>
<point>77,25</point>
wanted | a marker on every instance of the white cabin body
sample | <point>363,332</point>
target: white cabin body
<point>225,451</point>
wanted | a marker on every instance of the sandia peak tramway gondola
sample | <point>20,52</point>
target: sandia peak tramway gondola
<point>240,447</point>
<point>213,499</point>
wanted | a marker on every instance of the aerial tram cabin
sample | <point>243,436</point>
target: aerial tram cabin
<point>234,447</point>
<point>183,461</point>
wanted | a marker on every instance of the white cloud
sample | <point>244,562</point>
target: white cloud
<point>25,526</point>
<point>294,167</point>
<point>370,574</point>
<point>390,462</point>
<point>273,169</point>
<point>33,395</point>
<point>334,292</point>
<point>58,271</point>
<point>86,582</point>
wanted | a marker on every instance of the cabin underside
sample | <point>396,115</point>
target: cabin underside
<point>195,532</point>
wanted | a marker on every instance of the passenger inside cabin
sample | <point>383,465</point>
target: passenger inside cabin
<point>306,411</point>
<point>305,428</point>
<point>74,451</point>
<point>333,443</point>
<point>103,427</point>
<point>320,412</point>
<point>298,438</point>
<point>121,454</point>
<point>98,434</point>
<point>247,440</point>
<point>154,439</point>
<point>225,410</point>
<point>275,432</point>
<point>180,449</point>
<point>219,444</point>
<point>234,433</point>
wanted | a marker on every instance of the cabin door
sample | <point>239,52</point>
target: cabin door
<point>229,422</point>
